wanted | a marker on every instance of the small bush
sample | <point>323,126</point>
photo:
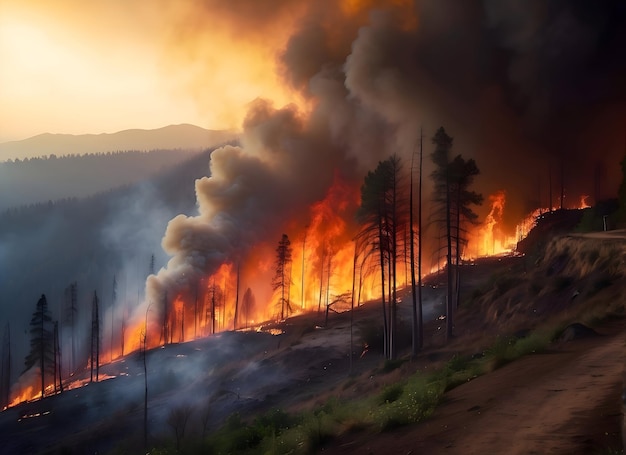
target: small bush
<point>391,393</point>
<point>418,400</point>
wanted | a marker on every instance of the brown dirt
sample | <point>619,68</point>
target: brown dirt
<point>564,401</point>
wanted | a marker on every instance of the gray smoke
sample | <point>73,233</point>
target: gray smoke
<point>522,86</point>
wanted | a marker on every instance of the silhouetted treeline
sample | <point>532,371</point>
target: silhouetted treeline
<point>36,180</point>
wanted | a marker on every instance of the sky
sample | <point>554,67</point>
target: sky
<point>518,83</point>
<point>70,66</point>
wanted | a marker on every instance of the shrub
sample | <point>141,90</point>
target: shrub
<point>391,393</point>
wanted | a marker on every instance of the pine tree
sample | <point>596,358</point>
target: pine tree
<point>41,341</point>
<point>383,216</point>
<point>452,197</point>
<point>282,277</point>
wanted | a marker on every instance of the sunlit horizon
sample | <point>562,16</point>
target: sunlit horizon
<point>89,68</point>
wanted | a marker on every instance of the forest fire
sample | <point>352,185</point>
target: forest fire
<point>238,296</point>
<point>367,75</point>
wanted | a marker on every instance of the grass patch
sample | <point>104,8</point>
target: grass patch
<point>506,349</point>
<point>398,404</point>
<point>391,393</point>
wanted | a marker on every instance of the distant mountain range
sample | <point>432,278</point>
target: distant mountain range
<point>182,136</point>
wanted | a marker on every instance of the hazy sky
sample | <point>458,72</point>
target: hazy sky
<point>72,66</point>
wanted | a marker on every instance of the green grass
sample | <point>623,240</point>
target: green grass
<point>402,403</point>
<point>399,404</point>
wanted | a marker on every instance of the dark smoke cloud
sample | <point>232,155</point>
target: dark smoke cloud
<point>519,84</point>
<point>283,165</point>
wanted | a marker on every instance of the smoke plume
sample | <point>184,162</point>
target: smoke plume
<point>524,87</point>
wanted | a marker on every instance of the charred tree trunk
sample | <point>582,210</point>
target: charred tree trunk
<point>57,356</point>
<point>420,338</point>
<point>164,328</point>
<point>123,329</point>
<point>394,260</point>
<point>236,299</point>
<point>5,373</point>
<point>449,293</point>
<point>319,302</point>
<point>302,275</point>
<point>549,188</point>
<point>113,302</point>
<point>414,332</point>
<point>213,305</point>
<point>145,382</point>
<point>95,339</point>
<point>352,306</point>
<point>382,286</point>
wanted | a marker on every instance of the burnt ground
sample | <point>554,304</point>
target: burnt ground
<point>566,400</point>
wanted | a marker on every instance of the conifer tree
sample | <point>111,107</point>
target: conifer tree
<point>282,277</point>
<point>41,341</point>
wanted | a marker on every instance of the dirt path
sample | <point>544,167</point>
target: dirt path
<point>566,401</point>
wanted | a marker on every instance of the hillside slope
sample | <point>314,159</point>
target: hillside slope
<point>307,368</point>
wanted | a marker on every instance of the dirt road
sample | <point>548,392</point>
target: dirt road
<point>565,401</point>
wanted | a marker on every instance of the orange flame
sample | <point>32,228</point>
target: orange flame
<point>489,238</point>
<point>583,202</point>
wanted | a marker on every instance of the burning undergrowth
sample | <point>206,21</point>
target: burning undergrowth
<point>375,73</point>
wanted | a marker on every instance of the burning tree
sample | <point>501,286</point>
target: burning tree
<point>453,200</point>
<point>382,217</point>
<point>41,341</point>
<point>212,305</point>
<point>248,305</point>
<point>282,278</point>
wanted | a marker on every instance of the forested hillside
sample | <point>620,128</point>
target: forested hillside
<point>36,180</point>
<point>47,246</point>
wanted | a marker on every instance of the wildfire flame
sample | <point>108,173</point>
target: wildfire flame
<point>321,271</point>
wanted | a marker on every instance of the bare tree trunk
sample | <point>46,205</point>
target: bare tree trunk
<point>550,188</point>
<point>195,314</point>
<point>145,395</point>
<point>562,183</point>
<point>54,356</point>
<point>5,375</point>
<point>302,279</point>
<point>382,287</point>
<point>113,302</point>
<point>414,332</point>
<point>95,339</point>
<point>449,295</point>
<point>319,303</point>
<point>236,299</point>
<point>394,260</point>
<point>420,338</point>
<point>352,307</point>
<point>57,358</point>
<point>213,305</point>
